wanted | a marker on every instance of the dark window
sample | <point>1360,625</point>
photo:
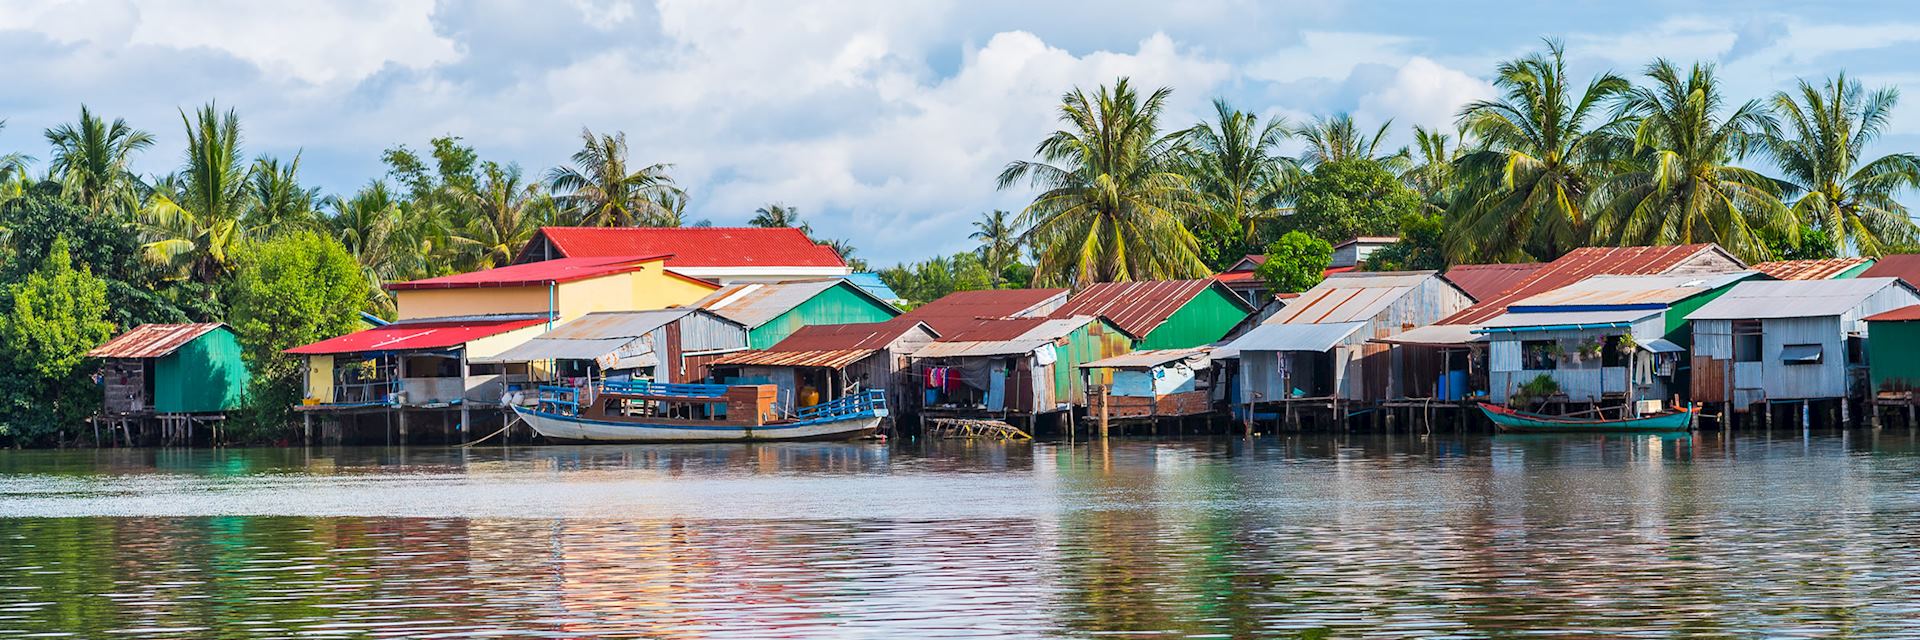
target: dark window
<point>1856,350</point>
<point>1746,341</point>
<point>1610,355</point>
<point>1538,355</point>
<point>1801,354</point>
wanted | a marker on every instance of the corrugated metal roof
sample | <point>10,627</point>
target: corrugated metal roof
<point>1630,290</point>
<point>1150,358</point>
<point>615,324</point>
<point>873,284</point>
<point>1581,264</point>
<point>1791,299</point>
<point>1136,308</point>
<point>960,309</point>
<point>1902,314</point>
<point>1905,266</point>
<point>1567,318</point>
<point>538,273</point>
<point>1434,335</point>
<point>1810,269</point>
<point>1294,337</point>
<point>859,336</point>
<point>1484,281</point>
<point>758,303</point>
<point>1349,297</point>
<point>426,333</point>
<point>152,340</point>
<point>1004,337</point>
<point>692,246</point>
<point>539,349</point>
<point>832,359</point>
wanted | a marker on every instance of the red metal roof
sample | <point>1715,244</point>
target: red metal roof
<point>1578,265</point>
<point>1901,314</point>
<point>536,273</point>
<point>691,246</point>
<point>410,336</point>
<point>1236,277</point>
<point>1484,281</point>
<point>152,340</point>
<point>961,309</point>
<point>1134,307</point>
<point>832,359</point>
<point>993,329</point>
<point>832,337</point>
<point>1809,269</point>
<point>1905,266</point>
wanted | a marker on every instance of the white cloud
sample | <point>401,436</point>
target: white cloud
<point>1423,92</point>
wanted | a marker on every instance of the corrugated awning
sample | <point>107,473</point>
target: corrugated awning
<point>1565,320</point>
<point>1295,337</point>
<point>1435,335</point>
<point>832,359</point>
<point>1196,357</point>
<point>415,336</point>
<point>539,349</point>
<point>1661,345</point>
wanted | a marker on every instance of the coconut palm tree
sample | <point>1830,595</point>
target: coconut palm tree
<point>13,172</point>
<point>1236,165</point>
<point>1541,151</point>
<point>279,204</point>
<point>194,219</point>
<point>601,190</point>
<point>1435,157</point>
<point>845,249</point>
<point>505,212</point>
<point>1820,153</point>
<point>1336,138</point>
<point>1113,202</point>
<point>778,215</point>
<point>365,224</point>
<point>670,210</point>
<point>999,241</point>
<point>1684,186</point>
<point>92,159</point>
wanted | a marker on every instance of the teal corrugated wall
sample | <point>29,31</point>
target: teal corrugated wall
<point>838,305</point>
<point>1203,320</point>
<point>202,376</point>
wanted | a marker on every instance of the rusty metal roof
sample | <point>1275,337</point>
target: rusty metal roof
<point>1905,266</point>
<point>1811,269</point>
<point>152,340</point>
<point>1349,297</point>
<point>1618,291</point>
<point>1581,264</point>
<point>960,309</point>
<point>1004,337</point>
<point>865,335</point>
<point>1138,308</point>
<point>1902,314</point>
<point>830,358</point>
<point>1484,281</point>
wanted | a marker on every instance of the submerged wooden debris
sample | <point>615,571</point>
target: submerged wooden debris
<point>965,428</point>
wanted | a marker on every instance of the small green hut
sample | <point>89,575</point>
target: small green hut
<point>1893,338</point>
<point>172,369</point>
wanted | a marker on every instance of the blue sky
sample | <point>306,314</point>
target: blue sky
<point>883,122</point>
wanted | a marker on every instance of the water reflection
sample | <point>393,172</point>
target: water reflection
<point>1306,536</point>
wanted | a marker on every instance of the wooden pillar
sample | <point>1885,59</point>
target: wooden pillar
<point>1104,399</point>
<point>1846,420</point>
<point>306,428</point>
<point>1806,415</point>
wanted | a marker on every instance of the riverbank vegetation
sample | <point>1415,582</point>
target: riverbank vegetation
<point>1120,191</point>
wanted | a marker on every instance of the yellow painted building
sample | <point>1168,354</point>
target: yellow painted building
<point>568,288</point>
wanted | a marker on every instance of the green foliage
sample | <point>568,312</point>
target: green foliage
<point>1849,198</point>
<point>1810,244</point>
<point>51,319</point>
<point>1343,199</point>
<point>286,292</point>
<point>1419,248</point>
<point>923,282</point>
<point>1295,262</point>
<point>1541,387</point>
<point>103,245</point>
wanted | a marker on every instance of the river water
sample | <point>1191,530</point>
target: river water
<point>1784,535</point>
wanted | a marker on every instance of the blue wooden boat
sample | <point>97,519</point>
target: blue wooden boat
<point>641,412</point>
<point>1516,421</point>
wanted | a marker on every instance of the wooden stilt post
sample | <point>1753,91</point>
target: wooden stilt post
<point>1104,399</point>
<point>306,428</point>
<point>1806,415</point>
<point>1846,421</point>
<point>403,426</point>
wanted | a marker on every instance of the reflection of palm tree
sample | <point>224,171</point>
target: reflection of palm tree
<point>193,218</point>
<point>280,204</point>
<point>503,214</point>
<point>92,159</point>
<point>1237,166</point>
<point>1820,154</point>
<point>1113,202</point>
<point>1684,186</point>
<point>999,241</point>
<point>777,215</point>
<point>1524,189</point>
<point>599,190</point>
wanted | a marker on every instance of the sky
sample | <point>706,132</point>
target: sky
<point>883,122</point>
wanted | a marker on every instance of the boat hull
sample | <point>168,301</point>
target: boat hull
<point>571,429</point>
<point>1510,421</point>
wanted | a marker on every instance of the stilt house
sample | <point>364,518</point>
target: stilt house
<point>1789,341</point>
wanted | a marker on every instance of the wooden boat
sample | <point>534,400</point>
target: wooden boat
<point>641,412</point>
<point>1515,421</point>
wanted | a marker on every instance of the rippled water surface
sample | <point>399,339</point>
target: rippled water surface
<point>1309,536</point>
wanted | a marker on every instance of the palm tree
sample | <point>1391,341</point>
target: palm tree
<point>845,249</point>
<point>1113,201</point>
<point>13,172</point>
<point>92,157</point>
<point>193,221</point>
<point>777,215</point>
<point>279,204</point>
<point>599,190</point>
<point>1684,186</point>
<point>1829,128</point>
<point>1432,172</point>
<point>999,241</point>
<point>1336,138</point>
<point>1236,164</point>
<point>365,225</point>
<point>1541,151</point>
<point>505,214</point>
